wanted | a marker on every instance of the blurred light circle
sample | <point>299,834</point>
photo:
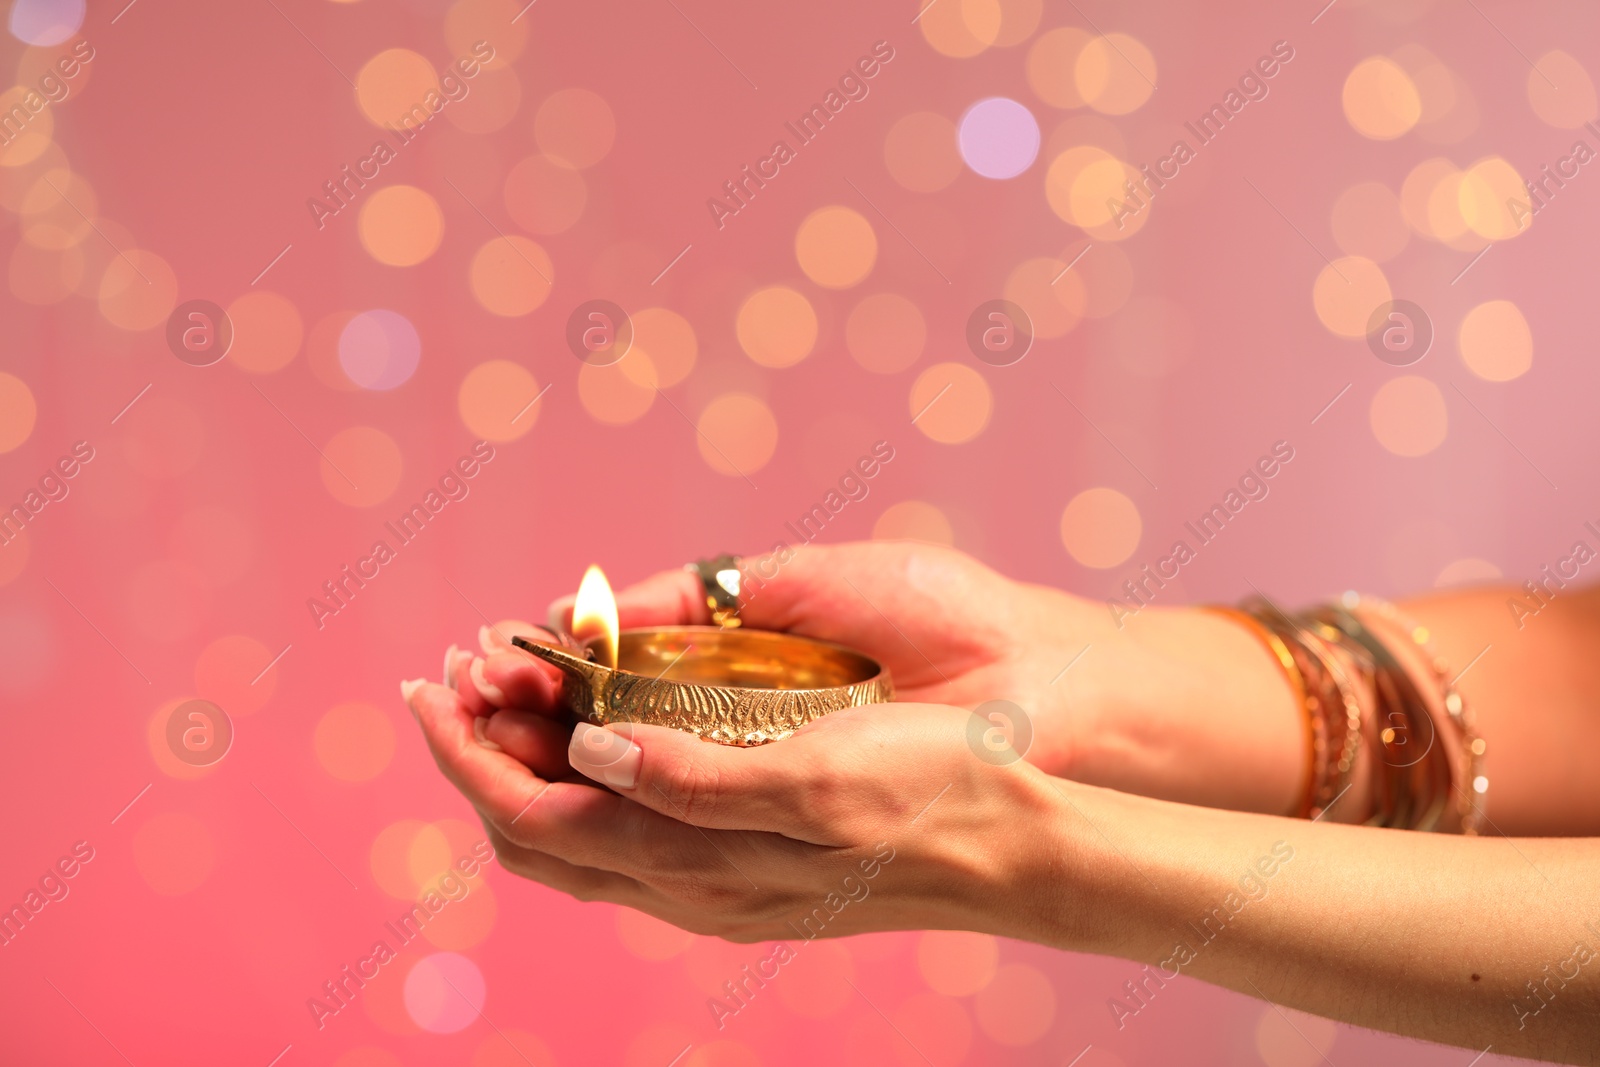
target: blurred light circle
<point>1416,193</point>
<point>1561,92</point>
<point>444,993</point>
<point>1495,341</point>
<point>494,400</point>
<point>361,466</point>
<point>650,938</point>
<point>576,127</point>
<point>960,29</point>
<point>470,23</point>
<point>138,290</point>
<point>511,276</point>
<point>1346,293</point>
<point>913,520</point>
<point>885,333</point>
<point>18,411</point>
<point>232,672</point>
<point>957,963</point>
<point>1018,20</point>
<point>389,859</point>
<point>46,22</point>
<point>737,434</point>
<point>1018,1007</point>
<point>1485,196</point>
<point>494,101</point>
<point>776,327</point>
<point>669,340</point>
<point>29,140</point>
<point>545,196</point>
<point>510,1047</point>
<point>998,138</point>
<point>379,349</point>
<point>836,247</point>
<point>618,393</point>
<point>950,403</point>
<point>162,437</point>
<point>1101,527</point>
<point>354,742</point>
<point>57,209</point>
<point>920,152</point>
<point>1468,571</point>
<point>1289,1038</point>
<point>1380,100</point>
<point>174,852</point>
<point>1368,221</point>
<point>322,351</point>
<point>1053,297</point>
<point>1114,74</point>
<point>1053,63</point>
<point>400,225</point>
<point>266,331</point>
<point>1408,416</point>
<point>392,84</point>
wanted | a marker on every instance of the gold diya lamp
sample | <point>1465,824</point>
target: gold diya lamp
<point>724,683</point>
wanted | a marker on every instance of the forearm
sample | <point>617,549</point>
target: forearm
<point>1433,936</point>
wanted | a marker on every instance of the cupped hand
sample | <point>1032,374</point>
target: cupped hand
<point>872,818</point>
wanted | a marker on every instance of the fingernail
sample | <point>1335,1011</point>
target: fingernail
<point>407,689</point>
<point>556,616</point>
<point>491,693</point>
<point>490,642</point>
<point>450,666</point>
<point>479,725</point>
<point>605,756</point>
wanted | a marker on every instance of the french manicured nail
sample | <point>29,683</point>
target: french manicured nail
<point>492,693</point>
<point>490,641</point>
<point>480,724</point>
<point>450,666</point>
<point>556,619</point>
<point>408,689</point>
<point>605,756</point>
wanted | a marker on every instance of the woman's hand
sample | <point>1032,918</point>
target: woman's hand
<point>780,841</point>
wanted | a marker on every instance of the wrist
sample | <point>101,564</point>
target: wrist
<point>1187,705</point>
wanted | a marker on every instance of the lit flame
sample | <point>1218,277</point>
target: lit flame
<point>594,613</point>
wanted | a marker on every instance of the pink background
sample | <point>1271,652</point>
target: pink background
<point>210,913</point>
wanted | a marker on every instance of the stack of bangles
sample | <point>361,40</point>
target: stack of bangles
<point>1421,750</point>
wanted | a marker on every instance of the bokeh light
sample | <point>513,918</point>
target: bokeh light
<point>1346,293</point>
<point>621,392</point>
<point>469,23</point>
<point>1018,1006</point>
<point>496,400</point>
<point>32,140</point>
<point>885,333</point>
<point>45,22</point>
<point>392,84</point>
<point>957,963</point>
<point>361,466</point>
<point>267,331</point>
<point>950,403</point>
<point>913,520</point>
<point>1380,100</point>
<point>737,434</point>
<point>650,938</point>
<point>1101,527</point>
<point>1114,74</point>
<point>1053,296</point>
<point>1408,416</point>
<point>57,209</point>
<point>1289,1038</point>
<point>233,673</point>
<point>575,127</point>
<point>18,411</point>
<point>1484,199</point>
<point>962,28</point>
<point>1561,92</point>
<point>544,196</point>
<point>444,993</point>
<point>1495,341</point>
<point>511,276</point>
<point>138,290</point>
<point>353,742</point>
<point>1468,571</point>
<point>1368,221</point>
<point>836,247</point>
<point>379,349</point>
<point>777,327</point>
<point>1052,66</point>
<point>920,152</point>
<point>400,225</point>
<point>669,340</point>
<point>998,138</point>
